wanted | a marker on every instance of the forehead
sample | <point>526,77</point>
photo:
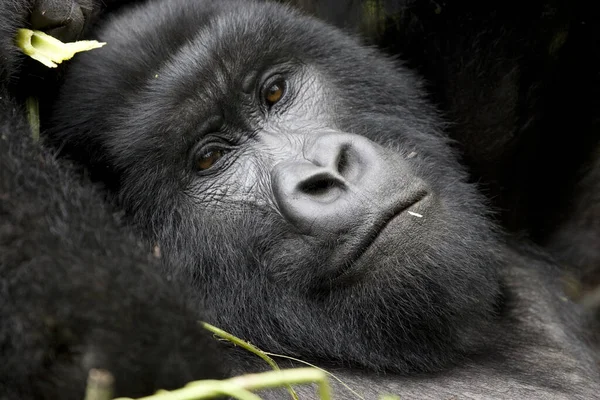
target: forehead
<point>249,39</point>
<point>211,71</point>
<point>229,54</point>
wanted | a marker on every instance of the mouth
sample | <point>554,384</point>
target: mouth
<point>369,237</point>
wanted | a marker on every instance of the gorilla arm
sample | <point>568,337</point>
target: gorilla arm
<point>76,291</point>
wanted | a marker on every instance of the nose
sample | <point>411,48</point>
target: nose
<point>321,191</point>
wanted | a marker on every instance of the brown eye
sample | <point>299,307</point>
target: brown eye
<point>274,93</point>
<point>208,159</point>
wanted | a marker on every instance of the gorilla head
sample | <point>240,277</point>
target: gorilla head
<point>297,178</point>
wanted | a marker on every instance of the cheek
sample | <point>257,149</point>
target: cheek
<point>245,183</point>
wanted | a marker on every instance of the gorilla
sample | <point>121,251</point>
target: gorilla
<point>304,197</point>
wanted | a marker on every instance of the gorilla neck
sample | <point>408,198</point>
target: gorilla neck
<point>406,323</point>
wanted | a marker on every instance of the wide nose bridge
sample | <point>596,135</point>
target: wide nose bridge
<point>300,145</point>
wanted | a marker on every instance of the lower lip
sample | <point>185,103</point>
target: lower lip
<point>351,271</point>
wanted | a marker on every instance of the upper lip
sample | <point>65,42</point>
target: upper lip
<point>370,235</point>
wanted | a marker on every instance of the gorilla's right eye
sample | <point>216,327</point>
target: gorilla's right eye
<point>208,158</point>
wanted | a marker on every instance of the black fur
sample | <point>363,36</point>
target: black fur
<point>76,291</point>
<point>440,303</point>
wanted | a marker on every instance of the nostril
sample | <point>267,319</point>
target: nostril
<point>320,185</point>
<point>316,188</point>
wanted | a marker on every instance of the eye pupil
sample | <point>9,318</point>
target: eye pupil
<point>208,159</point>
<point>274,93</point>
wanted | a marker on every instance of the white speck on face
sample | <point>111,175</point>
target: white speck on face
<point>414,214</point>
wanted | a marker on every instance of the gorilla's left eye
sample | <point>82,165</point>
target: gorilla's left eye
<point>274,91</point>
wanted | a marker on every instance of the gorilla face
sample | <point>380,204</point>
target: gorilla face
<point>297,178</point>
